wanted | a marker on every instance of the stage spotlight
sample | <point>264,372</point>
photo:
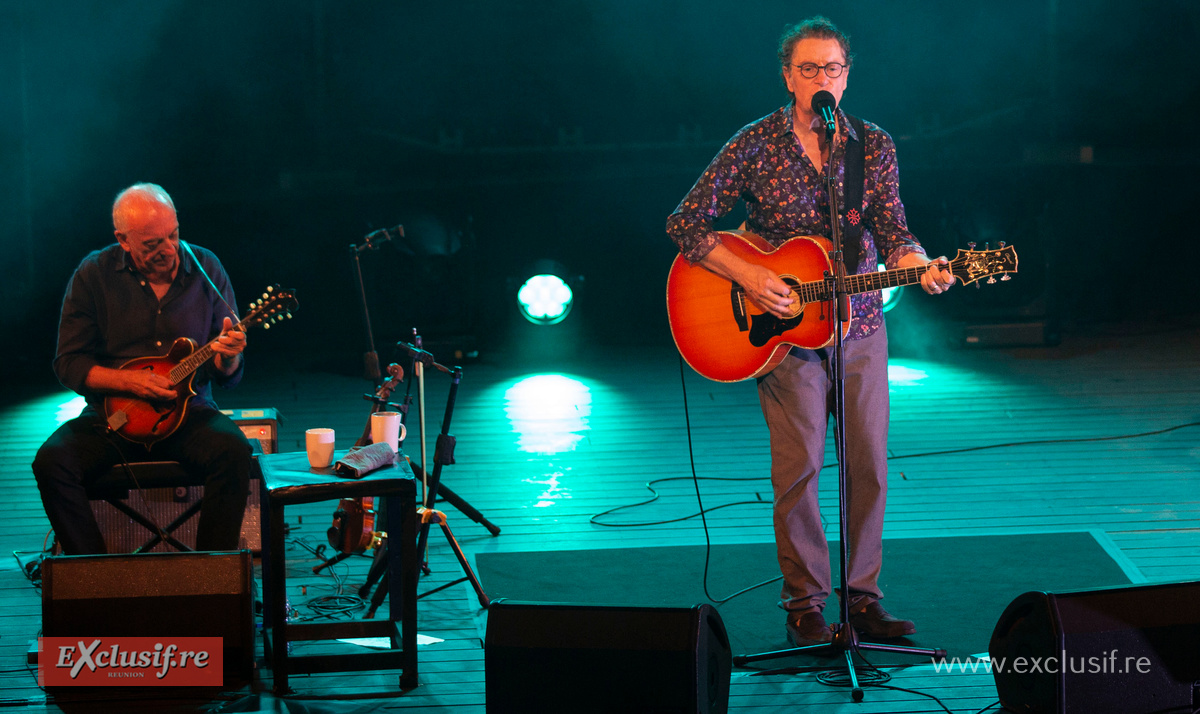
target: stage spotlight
<point>545,297</point>
<point>891,296</point>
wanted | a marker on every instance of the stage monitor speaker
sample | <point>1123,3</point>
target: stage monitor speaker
<point>1132,650</point>
<point>155,595</point>
<point>552,657</point>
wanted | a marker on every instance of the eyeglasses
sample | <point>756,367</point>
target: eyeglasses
<point>808,70</point>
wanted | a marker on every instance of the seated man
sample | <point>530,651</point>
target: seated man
<point>133,299</point>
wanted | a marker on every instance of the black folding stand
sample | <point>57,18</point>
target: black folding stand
<point>443,454</point>
<point>845,640</point>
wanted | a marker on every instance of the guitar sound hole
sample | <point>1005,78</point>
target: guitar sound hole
<point>797,308</point>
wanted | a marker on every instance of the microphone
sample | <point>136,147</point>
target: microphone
<point>374,239</point>
<point>823,105</point>
<point>377,238</point>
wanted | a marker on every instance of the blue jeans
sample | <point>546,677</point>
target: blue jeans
<point>208,443</point>
<point>797,400</point>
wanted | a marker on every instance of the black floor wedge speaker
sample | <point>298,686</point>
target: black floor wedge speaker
<point>1133,650</point>
<point>547,657</point>
<point>155,595</point>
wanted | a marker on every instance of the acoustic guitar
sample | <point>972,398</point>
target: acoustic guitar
<point>726,337</point>
<point>148,422</point>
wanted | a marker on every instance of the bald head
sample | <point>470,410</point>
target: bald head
<point>146,227</point>
<point>139,203</point>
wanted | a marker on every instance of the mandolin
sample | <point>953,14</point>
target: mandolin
<point>724,336</point>
<point>148,422</point>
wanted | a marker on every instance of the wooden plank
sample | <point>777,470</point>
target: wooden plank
<point>542,465</point>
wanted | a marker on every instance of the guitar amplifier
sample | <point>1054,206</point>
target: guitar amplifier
<point>164,505</point>
<point>261,424</point>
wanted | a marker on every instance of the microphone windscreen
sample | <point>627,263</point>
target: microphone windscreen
<point>823,100</point>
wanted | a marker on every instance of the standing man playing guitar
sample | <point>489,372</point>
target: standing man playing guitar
<point>132,300</point>
<point>777,166</point>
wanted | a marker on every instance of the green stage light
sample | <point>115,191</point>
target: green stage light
<point>891,296</point>
<point>545,298</point>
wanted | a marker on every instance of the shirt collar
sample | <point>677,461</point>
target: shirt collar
<point>782,122</point>
<point>124,262</point>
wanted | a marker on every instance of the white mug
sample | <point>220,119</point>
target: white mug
<point>387,429</point>
<point>319,444</point>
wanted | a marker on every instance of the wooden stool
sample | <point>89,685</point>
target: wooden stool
<point>287,479</point>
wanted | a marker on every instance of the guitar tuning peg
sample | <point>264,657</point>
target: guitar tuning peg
<point>1004,277</point>
<point>991,280</point>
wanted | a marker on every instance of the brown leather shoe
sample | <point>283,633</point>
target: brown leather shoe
<point>875,623</point>
<point>808,629</point>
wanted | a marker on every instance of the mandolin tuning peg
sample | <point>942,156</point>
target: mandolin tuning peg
<point>976,284</point>
<point>1004,277</point>
<point>270,288</point>
<point>266,325</point>
<point>265,296</point>
<point>1003,243</point>
<point>991,280</point>
<point>971,245</point>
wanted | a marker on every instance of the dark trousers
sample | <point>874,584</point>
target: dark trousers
<point>207,444</point>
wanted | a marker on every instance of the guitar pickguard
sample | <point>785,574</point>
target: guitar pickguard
<point>765,326</point>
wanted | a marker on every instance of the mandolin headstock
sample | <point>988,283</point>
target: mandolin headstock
<point>276,304</point>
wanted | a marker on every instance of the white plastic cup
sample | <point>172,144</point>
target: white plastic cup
<point>319,444</point>
<point>387,429</point>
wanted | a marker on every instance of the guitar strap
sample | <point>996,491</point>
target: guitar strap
<point>853,191</point>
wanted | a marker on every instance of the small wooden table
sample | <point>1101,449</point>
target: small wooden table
<point>287,479</point>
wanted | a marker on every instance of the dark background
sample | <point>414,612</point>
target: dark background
<point>501,133</point>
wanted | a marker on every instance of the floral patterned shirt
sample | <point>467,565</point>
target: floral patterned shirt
<point>765,166</point>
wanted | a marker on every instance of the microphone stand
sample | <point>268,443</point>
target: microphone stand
<point>845,639</point>
<point>443,455</point>
<point>371,241</point>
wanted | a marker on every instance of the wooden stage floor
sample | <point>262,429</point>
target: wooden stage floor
<point>544,447</point>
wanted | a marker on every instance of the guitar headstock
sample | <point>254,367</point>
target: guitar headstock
<point>276,304</point>
<point>973,265</point>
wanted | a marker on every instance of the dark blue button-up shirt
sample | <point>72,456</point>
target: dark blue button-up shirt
<point>111,315</point>
<point>765,166</point>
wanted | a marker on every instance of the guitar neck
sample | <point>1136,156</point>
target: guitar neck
<point>868,282</point>
<point>186,366</point>
<point>816,291</point>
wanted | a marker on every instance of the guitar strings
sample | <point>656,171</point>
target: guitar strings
<point>812,291</point>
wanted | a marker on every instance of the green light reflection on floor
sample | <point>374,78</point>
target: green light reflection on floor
<point>69,406</point>
<point>548,412</point>
<point>903,373</point>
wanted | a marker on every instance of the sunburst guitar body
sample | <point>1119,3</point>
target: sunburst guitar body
<point>725,336</point>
